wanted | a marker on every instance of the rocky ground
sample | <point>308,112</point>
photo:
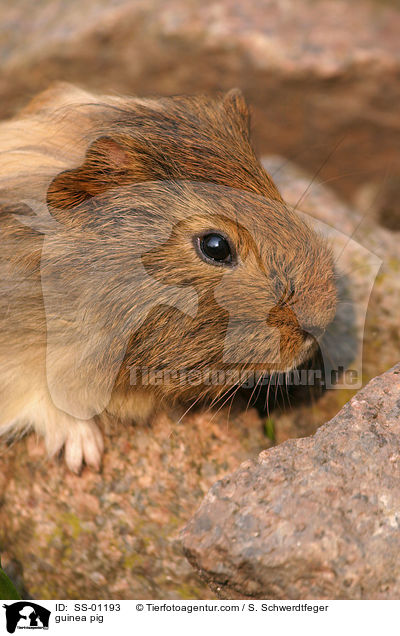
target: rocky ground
<point>114,535</point>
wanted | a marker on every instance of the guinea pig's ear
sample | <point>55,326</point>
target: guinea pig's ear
<point>236,106</point>
<point>106,165</point>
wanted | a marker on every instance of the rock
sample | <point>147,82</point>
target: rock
<point>313,518</point>
<point>321,75</point>
<point>111,535</point>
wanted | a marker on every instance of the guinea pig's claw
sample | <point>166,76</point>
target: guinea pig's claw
<point>84,443</point>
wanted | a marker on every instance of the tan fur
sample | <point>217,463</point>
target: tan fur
<point>115,171</point>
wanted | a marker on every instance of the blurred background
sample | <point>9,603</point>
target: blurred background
<point>322,76</point>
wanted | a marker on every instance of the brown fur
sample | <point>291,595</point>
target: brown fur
<point>114,172</point>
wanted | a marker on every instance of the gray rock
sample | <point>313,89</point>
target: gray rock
<point>312,518</point>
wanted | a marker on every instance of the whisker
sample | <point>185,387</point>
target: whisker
<point>220,396</point>
<point>276,389</point>
<point>343,176</point>
<point>224,391</point>
<point>230,405</point>
<point>223,404</point>
<point>190,407</point>
<point>287,388</point>
<point>266,402</point>
<point>252,393</point>
<point>322,166</point>
<point>292,158</point>
<point>377,195</point>
<point>260,388</point>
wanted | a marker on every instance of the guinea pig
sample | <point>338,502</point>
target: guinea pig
<point>143,235</point>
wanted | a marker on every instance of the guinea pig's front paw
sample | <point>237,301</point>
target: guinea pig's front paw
<point>83,443</point>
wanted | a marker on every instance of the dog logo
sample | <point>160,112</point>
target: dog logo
<point>26,615</point>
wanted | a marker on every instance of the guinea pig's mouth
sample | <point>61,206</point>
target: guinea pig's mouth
<point>309,346</point>
<point>291,360</point>
<point>306,351</point>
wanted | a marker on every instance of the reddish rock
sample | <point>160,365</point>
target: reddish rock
<point>113,534</point>
<point>313,518</point>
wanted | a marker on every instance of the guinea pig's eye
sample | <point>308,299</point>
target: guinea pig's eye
<point>214,248</point>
